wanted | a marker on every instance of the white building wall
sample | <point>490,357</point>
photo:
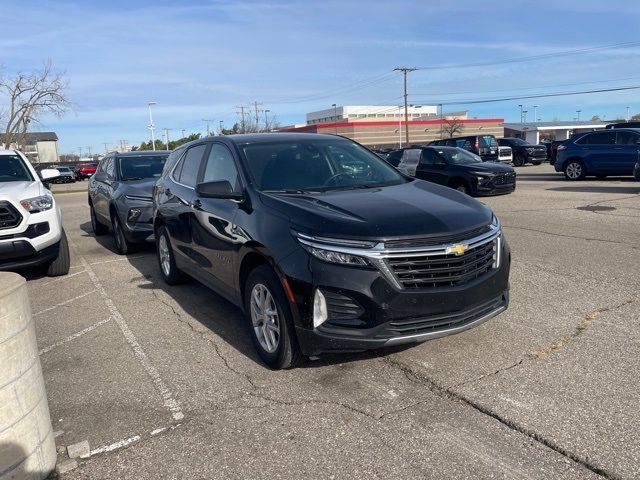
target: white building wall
<point>368,112</point>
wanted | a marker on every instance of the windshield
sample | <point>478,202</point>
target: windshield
<point>141,167</point>
<point>13,169</point>
<point>459,156</point>
<point>317,165</point>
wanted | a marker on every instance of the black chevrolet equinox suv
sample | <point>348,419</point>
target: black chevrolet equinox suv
<point>326,247</point>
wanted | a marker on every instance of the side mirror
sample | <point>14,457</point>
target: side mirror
<point>219,189</point>
<point>49,173</point>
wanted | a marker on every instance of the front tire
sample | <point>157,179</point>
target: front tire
<point>536,163</point>
<point>518,160</point>
<point>574,170</point>
<point>171,274</point>
<point>60,266</point>
<point>123,246</point>
<point>269,320</point>
<point>98,228</point>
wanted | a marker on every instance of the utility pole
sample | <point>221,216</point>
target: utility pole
<point>166,135</point>
<point>152,127</point>
<point>441,122</point>
<point>524,112</point>
<point>255,106</point>
<point>627,118</point>
<point>404,71</point>
<point>207,120</point>
<point>266,121</point>
<point>106,147</point>
<point>80,149</point>
<point>520,113</point>
<point>578,115</point>
<point>335,118</point>
<point>183,133</point>
<point>221,123</point>
<point>89,150</point>
<point>242,120</point>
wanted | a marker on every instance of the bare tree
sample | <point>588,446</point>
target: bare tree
<point>28,96</point>
<point>451,126</point>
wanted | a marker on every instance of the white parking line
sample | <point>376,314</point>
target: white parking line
<point>169,401</point>
<point>117,260</point>
<point>74,336</point>
<point>60,278</point>
<point>62,304</point>
<point>114,446</point>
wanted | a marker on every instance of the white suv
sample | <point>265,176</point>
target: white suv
<point>31,231</point>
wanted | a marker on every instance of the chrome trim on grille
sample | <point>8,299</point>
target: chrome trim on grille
<point>378,254</point>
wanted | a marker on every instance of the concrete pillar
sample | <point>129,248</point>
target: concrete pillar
<point>27,446</point>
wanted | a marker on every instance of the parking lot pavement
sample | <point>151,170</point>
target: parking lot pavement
<point>163,381</point>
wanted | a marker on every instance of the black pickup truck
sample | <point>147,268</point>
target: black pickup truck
<point>524,152</point>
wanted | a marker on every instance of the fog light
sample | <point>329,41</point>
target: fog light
<point>320,313</point>
<point>134,214</point>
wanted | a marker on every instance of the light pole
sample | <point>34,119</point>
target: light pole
<point>578,115</point>
<point>400,125</point>
<point>221,123</point>
<point>335,117</point>
<point>266,120</point>
<point>524,116</point>
<point>520,113</point>
<point>152,127</point>
<point>183,133</point>
<point>207,120</point>
<point>166,136</point>
<point>628,108</point>
<point>80,149</point>
<point>535,113</point>
<point>441,122</point>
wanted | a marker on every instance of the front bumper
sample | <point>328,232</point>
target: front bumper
<point>20,254</point>
<point>366,311</point>
<point>137,227</point>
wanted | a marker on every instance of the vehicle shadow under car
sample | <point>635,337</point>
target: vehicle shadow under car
<point>214,312</point>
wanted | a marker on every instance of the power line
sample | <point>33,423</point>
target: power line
<point>544,56</point>
<point>526,97</point>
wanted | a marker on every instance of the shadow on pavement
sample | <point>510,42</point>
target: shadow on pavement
<point>223,318</point>
<point>622,189</point>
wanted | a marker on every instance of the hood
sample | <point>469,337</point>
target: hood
<point>489,167</point>
<point>21,190</point>
<point>142,187</point>
<point>415,209</point>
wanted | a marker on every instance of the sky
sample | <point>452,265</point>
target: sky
<point>203,59</point>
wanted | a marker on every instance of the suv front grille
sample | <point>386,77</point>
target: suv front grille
<point>444,270</point>
<point>504,178</point>
<point>9,216</point>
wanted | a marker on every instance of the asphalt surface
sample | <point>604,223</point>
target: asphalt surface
<point>164,383</point>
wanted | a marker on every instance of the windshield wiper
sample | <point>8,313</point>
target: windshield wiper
<point>298,191</point>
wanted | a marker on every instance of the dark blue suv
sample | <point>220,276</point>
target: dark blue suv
<point>600,153</point>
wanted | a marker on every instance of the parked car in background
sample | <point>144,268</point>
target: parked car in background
<point>31,233</point>
<point>394,157</point>
<point>85,170</point>
<point>624,125</point>
<point>600,153</point>
<point>460,169</point>
<point>505,154</point>
<point>325,246</point>
<point>120,196</point>
<point>67,175</point>
<point>524,152</point>
<point>485,146</point>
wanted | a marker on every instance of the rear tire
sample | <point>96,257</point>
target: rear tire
<point>269,320</point>
<point>574,170</point>
<point>98,228</point>
<point>123,246</point>
<point>536,163</point>
<point>171,274</point>
<point>62,263</point>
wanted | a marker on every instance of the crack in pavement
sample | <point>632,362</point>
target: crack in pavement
<point>500,370</point>
<point>578,237</point>
<point>204,336</point>
<point>583,325</point>
<point>312,402</point>
<point>448,393</point>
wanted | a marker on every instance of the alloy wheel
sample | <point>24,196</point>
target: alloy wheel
<point>165,256</point>
<point>265,318</point>
<point>574,170</point>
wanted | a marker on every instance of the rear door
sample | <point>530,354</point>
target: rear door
<point>432,167</point>
<point>216,238</point>
<point>488,147</point>
<point>626,152</point>
<point>103,187</point>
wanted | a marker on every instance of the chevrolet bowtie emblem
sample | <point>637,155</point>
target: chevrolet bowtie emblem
<point>457,249</point>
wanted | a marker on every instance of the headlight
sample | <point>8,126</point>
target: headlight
<point>495,223</point>
<point>139,198</point>
<point>37,204</point>
<point>336,257</point>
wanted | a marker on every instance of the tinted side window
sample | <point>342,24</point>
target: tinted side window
<point>627,138</point>
<point>191,165</point>
<point>108,167</point>
<point>599,138</point>
<point>220,166</point>
<point>429,158</point>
